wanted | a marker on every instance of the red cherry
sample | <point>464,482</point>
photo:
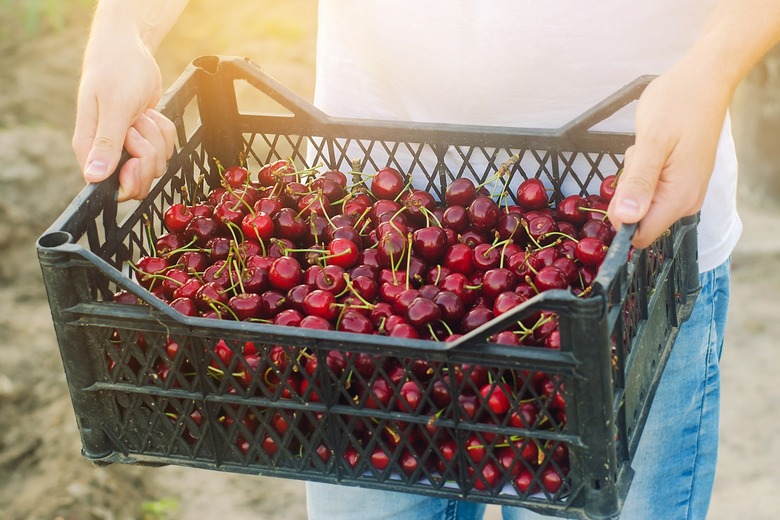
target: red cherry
<point>315,322</point>
<point>379,458</point>
<point>591,251</point>
<point>185,306</point>
<point>342,252</point>
<point>331,278</point>
<point>497,397</point>
<point>550,277</point>
<point>484,213</point>
<point>552,480</point>
<point>320,303</point>
<point>451,306</point>
<point>419,205</point>
<point>607,188</point>
<point>599,229</point>
<point>236,176</point>
<point>289,318</point>
<point>258,226</point>
<point>460,192</point>
<point>532,195</point>
<point>459,258</point>
<point>285,273</point>
<point>488,477</point>
<point>497,281</point>
<point>245,305</point>
<point>176,217</point>
<point>422,311</point>
<point>430,243</point>
<point>506,301</point>
<point>456,218</point>
<point>410,397</point>
<point>353,321</point>
<point>524,481</point>
<point>510,226</point>
<point>476,317</point>
<point>387,184</point>
<point>569,210</point>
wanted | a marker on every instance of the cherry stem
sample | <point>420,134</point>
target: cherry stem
<point>361,217</point>
<point>214,304</point>
<point>357,294</point>
<point>503,171</point>
<point>185,248</point>
<point>239,275</point>
<point>310,204</point>
<point>585,291</point>
<point>531,283</point>
<point>444,324</point>
<point>438,275</point>
<point>149,234</point>
<point>560,234</point>
<point>431,214</point>
<point>408,258</point>
<point>594,210</point>
<point>528,232</point>
<point>430,329</point>
<point>199,185</point>
<point>403,190</point>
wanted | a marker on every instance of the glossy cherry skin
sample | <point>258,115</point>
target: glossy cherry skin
<point>607,188</point>
<point>387,183</point>
<point>461,192</point>
<point>459,258</point>
<point>430,243</point>
<point>484,213</point>
<point>532,195</point>
<point>285,273</point>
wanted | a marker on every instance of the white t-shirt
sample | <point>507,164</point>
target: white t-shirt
<point>515,63</point>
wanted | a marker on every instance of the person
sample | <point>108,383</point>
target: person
<point>508,63</point>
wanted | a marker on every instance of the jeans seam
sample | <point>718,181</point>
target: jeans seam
<point>451,511</point>
<point>688,507</point>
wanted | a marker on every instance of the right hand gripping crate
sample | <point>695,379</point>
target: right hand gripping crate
<point>614,344</point>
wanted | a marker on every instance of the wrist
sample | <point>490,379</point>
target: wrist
<point>143,21</point>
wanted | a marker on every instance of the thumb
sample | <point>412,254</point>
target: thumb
<point>105,148</point>
<point>635,187</point>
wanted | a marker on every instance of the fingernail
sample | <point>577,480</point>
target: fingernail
<point>134,133</point>
<point>628,208</point>
<point>96,171</point>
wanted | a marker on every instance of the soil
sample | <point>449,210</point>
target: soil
<point>42,474</point>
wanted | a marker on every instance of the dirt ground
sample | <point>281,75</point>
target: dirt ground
<point>43,476</point>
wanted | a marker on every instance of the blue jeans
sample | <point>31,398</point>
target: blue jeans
<point>675,459</point>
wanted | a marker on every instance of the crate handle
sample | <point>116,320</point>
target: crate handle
<point>605,108</point>
<point>617,255</point>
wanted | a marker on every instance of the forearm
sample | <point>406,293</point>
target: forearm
<point>147,20</point>
<point>738,34</point>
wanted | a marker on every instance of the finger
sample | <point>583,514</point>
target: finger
<point>144,153</point>
<point>105,147</point>
<point>153,135</point>
<point>167,128</point>
<point>130,180</point>
<point>636,186</point>
<point>84,131</point>
<point>658,219</point>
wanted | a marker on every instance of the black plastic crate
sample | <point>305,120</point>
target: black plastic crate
<point>138,399</point>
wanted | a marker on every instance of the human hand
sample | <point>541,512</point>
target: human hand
<point>679,119</point>
<point>120,85</point>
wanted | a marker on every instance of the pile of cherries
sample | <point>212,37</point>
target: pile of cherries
<point>369,254</point>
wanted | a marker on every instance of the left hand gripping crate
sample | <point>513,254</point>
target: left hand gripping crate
<point>137,400</point>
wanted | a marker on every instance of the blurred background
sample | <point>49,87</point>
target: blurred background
<point>42,474</point>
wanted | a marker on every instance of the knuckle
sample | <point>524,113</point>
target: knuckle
<point>637,184</point>
<point>103,142</point>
